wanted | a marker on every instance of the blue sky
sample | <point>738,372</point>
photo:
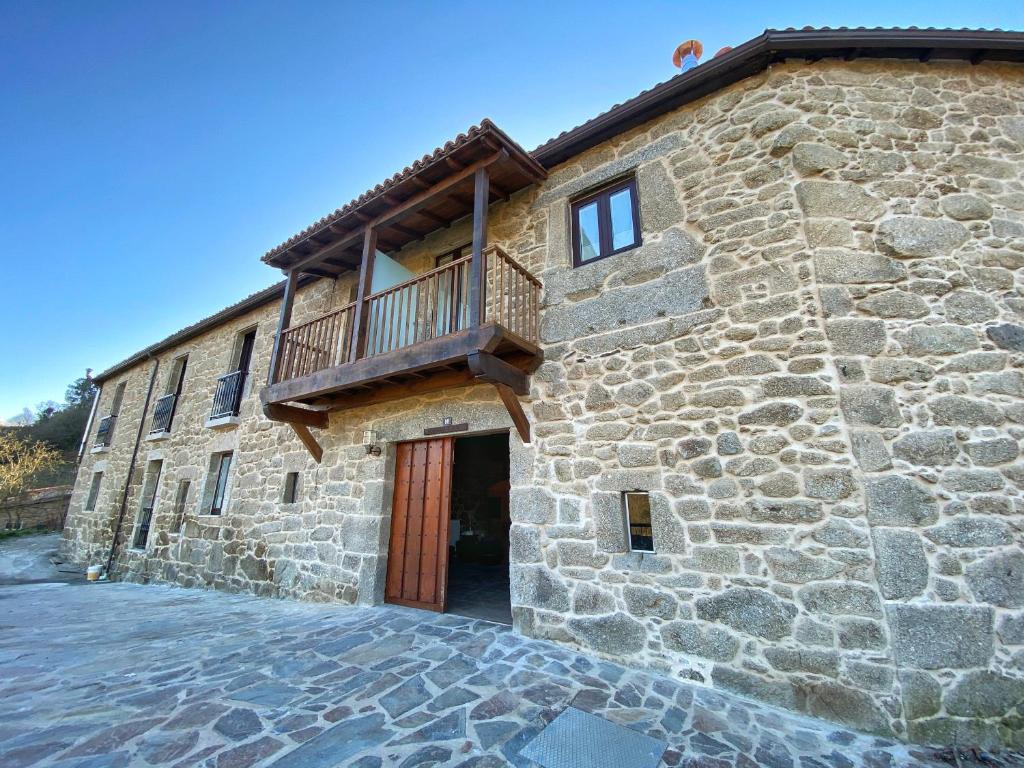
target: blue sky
<point>150,153</point>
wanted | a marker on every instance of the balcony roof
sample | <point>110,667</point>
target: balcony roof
<point>402,208</point>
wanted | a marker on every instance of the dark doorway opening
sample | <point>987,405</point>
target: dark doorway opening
<point>478,580</point>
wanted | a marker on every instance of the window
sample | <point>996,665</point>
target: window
<point>227,400</point>
<point>291,488</point>
<point>145,518</point>
<point>163,412</point>
<point>217,485</point>
<point>115,406</point>
<point>105,428</point>
<point>605,222</point>
<point>94,492</point>
<point>452,289</point>
<point>638,516</point>
<point>180,499</point>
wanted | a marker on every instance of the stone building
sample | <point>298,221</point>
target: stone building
<point>751,346</point>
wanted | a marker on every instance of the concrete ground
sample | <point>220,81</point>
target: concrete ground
<point>27,560</point>
<point>110,675</point>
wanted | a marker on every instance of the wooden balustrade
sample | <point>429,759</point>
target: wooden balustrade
<point>511,295</point>
<point>322,342</point>
<point>425,307</point>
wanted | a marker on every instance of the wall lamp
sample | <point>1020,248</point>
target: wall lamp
<point>371,438</point>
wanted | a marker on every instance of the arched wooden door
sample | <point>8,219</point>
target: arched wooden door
<point>418,550</point>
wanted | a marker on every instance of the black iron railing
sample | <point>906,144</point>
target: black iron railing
<point>228,398</point>
<point>163,412</point>
<point>105,432</point>
<point>142,532</point>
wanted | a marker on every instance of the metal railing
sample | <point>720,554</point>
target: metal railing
<point>105,432</point>
<point>228,398</point>
<point>163,412</point>
<point>142,531</point>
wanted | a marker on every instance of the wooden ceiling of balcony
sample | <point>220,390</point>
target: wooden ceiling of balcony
<point>429,195</point>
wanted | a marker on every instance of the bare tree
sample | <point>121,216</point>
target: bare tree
<point>20,461</point>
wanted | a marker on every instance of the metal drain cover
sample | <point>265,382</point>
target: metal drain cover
<point>577,739</point>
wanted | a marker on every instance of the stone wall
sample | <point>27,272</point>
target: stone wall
<point>39,508</point>
<point>812,365</point>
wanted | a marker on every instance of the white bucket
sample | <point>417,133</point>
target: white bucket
<point>93,572</point>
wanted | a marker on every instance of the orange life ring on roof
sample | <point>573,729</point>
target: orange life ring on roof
<point>690,46</point>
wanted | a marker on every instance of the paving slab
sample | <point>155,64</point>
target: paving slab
<point>124,674</point>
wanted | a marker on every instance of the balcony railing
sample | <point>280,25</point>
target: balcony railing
<point>163,412</point>
<point>142,532</point>
<point>323,342</point>
<point>426,307</point>
<point>228,398</point>
<point>105,432</point>
<point>511,295</point>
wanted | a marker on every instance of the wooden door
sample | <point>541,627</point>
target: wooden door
<point>418,551</point>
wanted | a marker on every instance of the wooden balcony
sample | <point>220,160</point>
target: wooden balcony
<point>473,320</point>
<point>419,337</point>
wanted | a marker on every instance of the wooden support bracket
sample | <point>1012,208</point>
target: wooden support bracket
<point>487,367</point>
<point>308,440</point>
<point>300,420</point>
<point>289,413</point>
<point>515,410</point>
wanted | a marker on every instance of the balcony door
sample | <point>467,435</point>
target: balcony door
<point>417,573</point>
<point>390,329</point>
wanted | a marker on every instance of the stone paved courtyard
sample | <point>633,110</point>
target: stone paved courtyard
<point>111,675</point>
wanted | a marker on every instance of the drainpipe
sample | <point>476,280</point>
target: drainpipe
<point>88,424</point>
<point>131,466</point>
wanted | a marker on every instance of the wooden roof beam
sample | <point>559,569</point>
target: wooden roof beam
<point>409,206</point>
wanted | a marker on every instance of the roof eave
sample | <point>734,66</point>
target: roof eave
<point>758,53</point>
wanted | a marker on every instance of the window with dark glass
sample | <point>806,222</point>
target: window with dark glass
<point>227,400</point>
<point>638,516</point>
<point>219,498</point>
<point>94,492</point>
<point>149,490</point>
<point>605,222</point>
<point>291,488</point>
<point>105,427</point>
<point>180,499</point>
<point>163,411</point>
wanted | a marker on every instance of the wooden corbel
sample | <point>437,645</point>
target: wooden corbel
<point>509,381</point>
<point>300,420</point>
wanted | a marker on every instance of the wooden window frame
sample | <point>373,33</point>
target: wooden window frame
<point>629,524</point>
<point>604,219</point>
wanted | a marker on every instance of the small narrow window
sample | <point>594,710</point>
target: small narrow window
<point>94,492</point>
<point>605,222</point>
<point>638,516</point>
<point>149,490</point>
<point>291,488</point>
<point>115,406</point>
<point>180,500</point>
<point>219,495</point>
